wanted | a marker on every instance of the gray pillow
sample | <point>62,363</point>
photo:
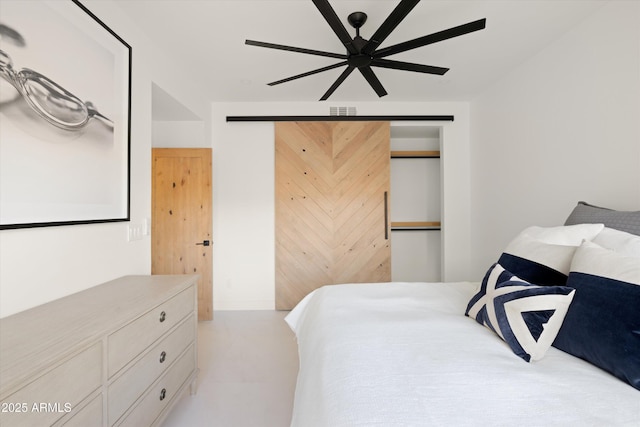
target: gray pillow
<point>585,213</point>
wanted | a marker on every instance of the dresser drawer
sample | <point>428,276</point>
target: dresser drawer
<point>56,393</point>
<point>128,342</point>
<point>132,383</point>
<point>89,416</point>
<point>162,393</point>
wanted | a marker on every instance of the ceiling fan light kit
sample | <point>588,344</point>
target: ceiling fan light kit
<point>364,54</point>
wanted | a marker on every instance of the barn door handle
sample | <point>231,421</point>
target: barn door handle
<point>204,243</point>
<point>386,215</point>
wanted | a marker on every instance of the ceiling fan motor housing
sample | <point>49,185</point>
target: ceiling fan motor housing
<point>359,60</point>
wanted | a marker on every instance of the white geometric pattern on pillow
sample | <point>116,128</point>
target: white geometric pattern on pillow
<point>527,317</point>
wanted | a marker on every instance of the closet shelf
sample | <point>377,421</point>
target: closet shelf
<point>415,225</point>
<point>415,154</point>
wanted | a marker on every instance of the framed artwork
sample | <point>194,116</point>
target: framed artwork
<point>65,116</point>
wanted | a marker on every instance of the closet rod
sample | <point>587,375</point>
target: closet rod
<point>415,225</point>
<point>446,118</point>
<point>415,154</point>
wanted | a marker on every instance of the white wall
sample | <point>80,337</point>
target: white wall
<point>179,134</point>
<point>41,264</point>
<point>563,127</point>
<point>243,188</point>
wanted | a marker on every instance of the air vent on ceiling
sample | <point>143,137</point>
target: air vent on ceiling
<point>342,111</point>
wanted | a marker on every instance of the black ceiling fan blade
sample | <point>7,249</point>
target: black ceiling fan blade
<point>338,82</point>
<point>308,73</point>
<point>399,13</point>
<point>408,66</point>
<point>295,49</point>
<point>336,25</point>
<point>432,38</point>
<point>368,74</point>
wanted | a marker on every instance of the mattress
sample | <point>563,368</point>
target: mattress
<point>404,354</point>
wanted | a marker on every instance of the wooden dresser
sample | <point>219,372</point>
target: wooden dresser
<point>118,354</point>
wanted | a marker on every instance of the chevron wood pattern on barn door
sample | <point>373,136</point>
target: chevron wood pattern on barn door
<point>331,179</point>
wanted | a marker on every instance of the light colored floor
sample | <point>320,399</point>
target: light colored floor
<point>248,364</point>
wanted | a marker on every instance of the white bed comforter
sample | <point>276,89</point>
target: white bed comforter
<point>404,354</point>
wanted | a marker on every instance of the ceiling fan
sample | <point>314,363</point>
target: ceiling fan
<point>364,54</point>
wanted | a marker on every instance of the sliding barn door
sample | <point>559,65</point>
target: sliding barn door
<point>332,184</point>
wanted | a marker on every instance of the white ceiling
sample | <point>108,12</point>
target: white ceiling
<point>209,35</point>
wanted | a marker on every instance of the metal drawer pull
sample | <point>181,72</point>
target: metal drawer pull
<point>163,316</point>
<point>163,393</point>
<point>163,356</point>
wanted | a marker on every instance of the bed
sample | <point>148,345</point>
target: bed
<point>525,349</point>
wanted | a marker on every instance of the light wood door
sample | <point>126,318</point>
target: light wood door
<point>332,184</point>
<point>181,218</point>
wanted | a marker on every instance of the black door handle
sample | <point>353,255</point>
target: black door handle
<point>204,243</point>
<point>386,215</point>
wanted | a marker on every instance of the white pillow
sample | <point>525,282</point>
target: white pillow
<point>593,259</point>
<point>555,256</point>
<point>542,255</point>
<point>620,241</point>
<point>569,235</point>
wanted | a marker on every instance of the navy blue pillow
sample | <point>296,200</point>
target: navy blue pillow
<point>602,325</point>
<point>532,271</point>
